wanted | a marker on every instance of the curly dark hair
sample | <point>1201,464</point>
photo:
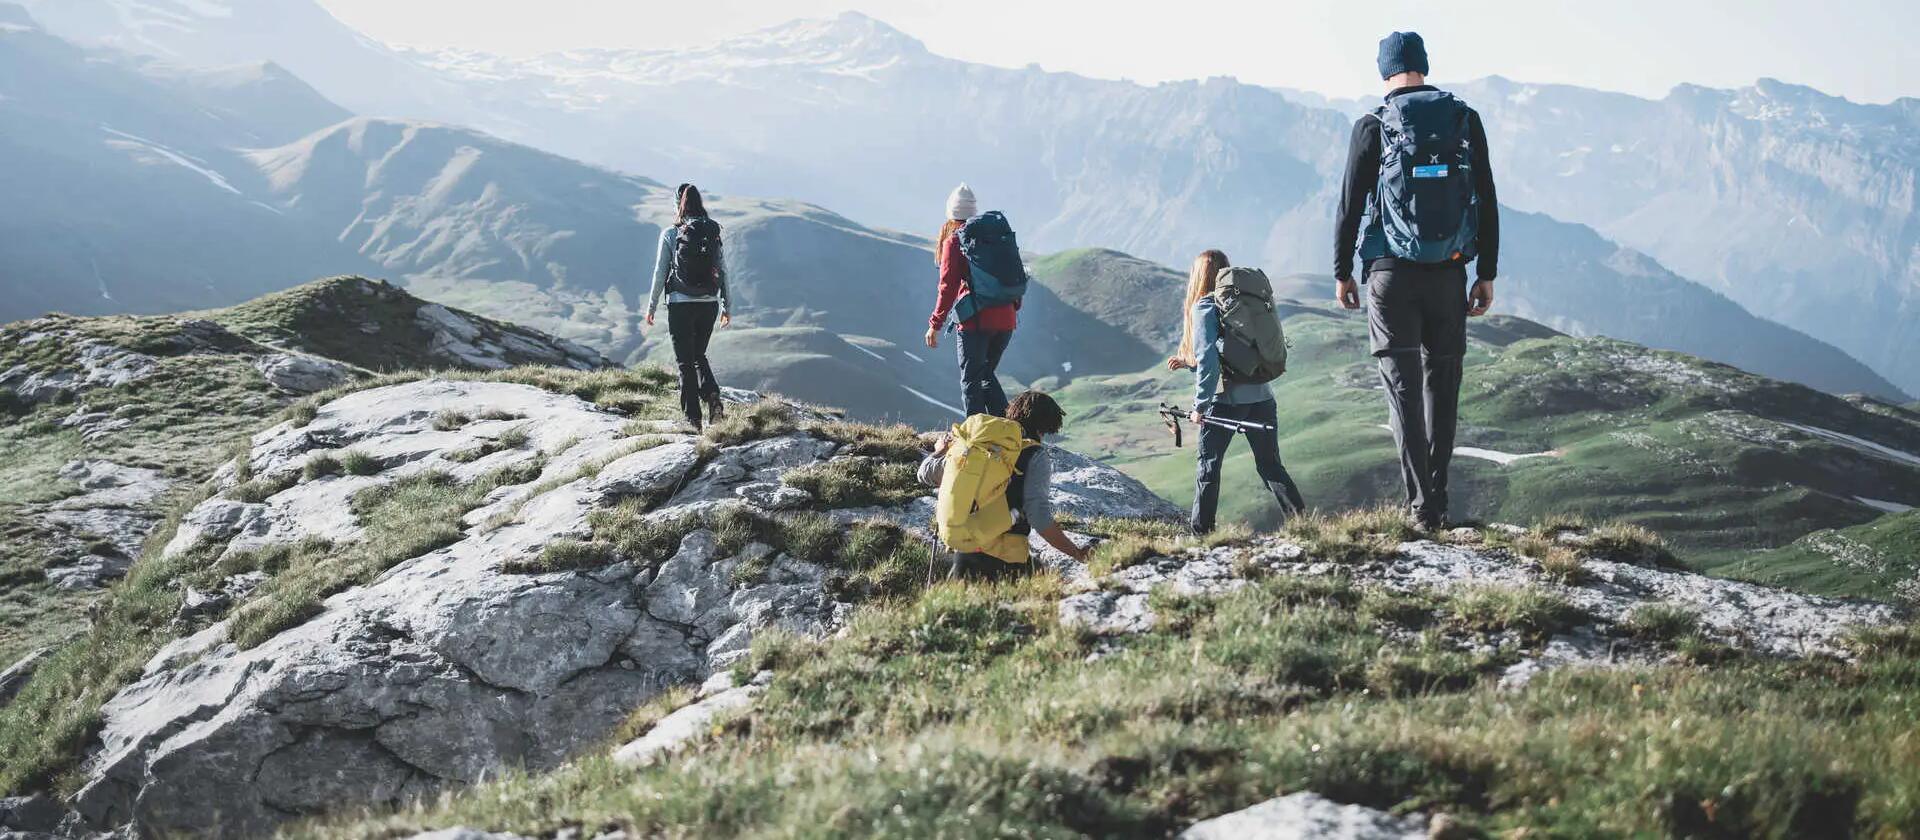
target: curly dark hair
<point>1037,414</point>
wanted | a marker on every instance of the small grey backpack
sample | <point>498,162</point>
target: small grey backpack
<point>1254,345</point>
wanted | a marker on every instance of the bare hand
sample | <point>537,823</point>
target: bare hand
<point>726,321</point>
<point>1480,299</point>
<point>1177,363</point>
<point>1349,294</point>
<point>649,319</point>
<point>1194,417</point>
<point>941,446</point>
<point>933,338</point>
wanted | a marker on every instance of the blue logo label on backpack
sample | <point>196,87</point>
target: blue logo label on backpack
<point>1439,171</point>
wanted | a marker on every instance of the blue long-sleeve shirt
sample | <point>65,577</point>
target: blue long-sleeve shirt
<point>663,262</point>
<point>1210,383</point>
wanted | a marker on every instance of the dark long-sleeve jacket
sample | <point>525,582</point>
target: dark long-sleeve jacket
<point>1363,176</point>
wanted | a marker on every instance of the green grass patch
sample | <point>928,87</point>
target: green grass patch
<point>1660,622</point>
<point>1362,536</point>
<point>764,419</point>
<point>450,420</point>
<point>897,442</point>
<point>858,481</point>
<point>1533,612</point>
<point>355,462</point>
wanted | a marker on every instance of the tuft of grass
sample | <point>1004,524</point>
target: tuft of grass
<point>858,481</point>
<point>1558,561</point>
<point>1660,622</point>
<point>513,438</point>
<point>261,489</point>
<point>764,419</point>
<point>450,420</point>
<point>355,462</point>
<point>1898,641</point>
<point>321,465</point>
<point>898,442</point>
<point>303,413</point>
<point>563,556</point>
<point>1358,537</point>
<point>1530,611</point>
<point>1623,543</point>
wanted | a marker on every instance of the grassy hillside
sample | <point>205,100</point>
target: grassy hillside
<point>1717,460</point>
<point>968,711</point>
<point>1872,560</point>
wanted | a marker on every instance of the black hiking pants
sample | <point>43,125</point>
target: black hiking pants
<point>1214,441</point>
<point>1418,320</point>
<point>980,352</point>
<point>691,325</point>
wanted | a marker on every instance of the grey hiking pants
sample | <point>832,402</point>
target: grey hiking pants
<point>1417,316</point>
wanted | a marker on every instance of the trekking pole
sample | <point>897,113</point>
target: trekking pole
<point>1173,416</point>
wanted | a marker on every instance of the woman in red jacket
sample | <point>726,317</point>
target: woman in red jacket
<point>983,338</point>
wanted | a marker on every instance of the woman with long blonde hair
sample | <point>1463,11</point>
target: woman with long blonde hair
<point>1217,395</point>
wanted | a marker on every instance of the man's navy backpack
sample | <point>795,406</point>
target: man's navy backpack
<point>695,269</point>
<point>996,275</point>
<point>1425,207</point>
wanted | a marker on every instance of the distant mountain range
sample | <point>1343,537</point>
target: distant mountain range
<point>519,233</point>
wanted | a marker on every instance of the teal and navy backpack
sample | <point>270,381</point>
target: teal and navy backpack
<point>1424,208</point>
<point>996,276</point>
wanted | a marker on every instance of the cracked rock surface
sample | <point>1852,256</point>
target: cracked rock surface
<point>446,667</point>
<point>1754,618</point>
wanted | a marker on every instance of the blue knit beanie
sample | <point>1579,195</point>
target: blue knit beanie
<point>1402,52</point>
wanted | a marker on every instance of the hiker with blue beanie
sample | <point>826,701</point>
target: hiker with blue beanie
<point>1418,205</point>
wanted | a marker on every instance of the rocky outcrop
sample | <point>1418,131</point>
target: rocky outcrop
<point>106,523</point>
<point>469,657</point>
<point>95,364</point>
<point>1307,816</point>
<point>1749,617</point>
<point>717,697</point>
<point>486,346</point>
<point>302,374</point>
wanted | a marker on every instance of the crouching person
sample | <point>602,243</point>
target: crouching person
<point>995,477</point>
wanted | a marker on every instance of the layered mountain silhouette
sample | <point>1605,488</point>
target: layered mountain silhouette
<point>1074,160</point>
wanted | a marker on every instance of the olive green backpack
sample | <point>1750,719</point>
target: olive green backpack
<point>1254,345</point>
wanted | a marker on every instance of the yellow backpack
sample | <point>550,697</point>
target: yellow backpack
<point>971,513</point>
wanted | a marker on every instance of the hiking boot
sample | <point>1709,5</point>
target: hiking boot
<point>716,408</point>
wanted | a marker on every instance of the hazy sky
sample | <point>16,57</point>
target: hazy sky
<point>1862,49</point>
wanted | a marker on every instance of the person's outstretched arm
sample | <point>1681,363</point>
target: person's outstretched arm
<point>1038,506</point>
<point>953,267</point>
<point>661,261</point>
<point>1362,175</point>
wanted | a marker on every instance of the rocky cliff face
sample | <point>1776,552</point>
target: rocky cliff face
<point>513,644</point>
